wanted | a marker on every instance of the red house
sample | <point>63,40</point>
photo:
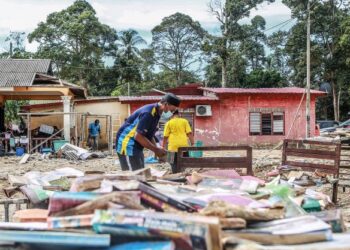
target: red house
<point>230,116</point>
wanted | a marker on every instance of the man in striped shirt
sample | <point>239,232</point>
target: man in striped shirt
<point>138,131</point>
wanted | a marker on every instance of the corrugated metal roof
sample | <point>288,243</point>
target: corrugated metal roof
<point>157,98</point>
<point>21,72</point>
<point>287,90</point>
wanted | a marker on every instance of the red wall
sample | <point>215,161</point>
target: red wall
<point>229,123</point>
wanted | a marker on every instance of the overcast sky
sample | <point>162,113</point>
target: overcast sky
<point>142,15</point>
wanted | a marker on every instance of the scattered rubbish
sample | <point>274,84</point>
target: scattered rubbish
<point>152,209</point>
<point>46,129</point>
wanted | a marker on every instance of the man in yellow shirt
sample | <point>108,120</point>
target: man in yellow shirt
<point>177,133</point>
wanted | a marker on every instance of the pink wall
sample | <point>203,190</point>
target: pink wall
<point>229,123</point>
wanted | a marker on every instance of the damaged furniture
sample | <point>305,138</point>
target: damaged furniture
<point>314,155</point>
<point>236,161</point>
<point>7,202</point>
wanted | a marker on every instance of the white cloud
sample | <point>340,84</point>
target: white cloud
<point>24,15</point>
<point>142,15</point>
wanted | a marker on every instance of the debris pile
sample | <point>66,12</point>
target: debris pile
<point>150,209</point>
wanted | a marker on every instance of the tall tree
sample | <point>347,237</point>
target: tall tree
<point>177,43</point>
<point>278,58</point>
<point>229,13</point>
<point>128,42</point>
<point>16,46</point>
<point>76,41</point>
<point>128,60</point>
<point>252,44</point>
<point>328,60</point>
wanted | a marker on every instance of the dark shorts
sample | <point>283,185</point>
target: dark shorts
<point>132,163</point>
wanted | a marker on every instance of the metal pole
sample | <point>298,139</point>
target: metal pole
<point>308,75</point>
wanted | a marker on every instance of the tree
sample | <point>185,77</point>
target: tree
<point>260,78</point>
<point>278,59</point>
<point>229,14</point>
<point>77,42</point>
<point>128,59</point>
<point>176,43</point>
<point>328,60</point>
<point>252,45</point>
<point>236,70</point>
<point>128,42</point>
<point>16,47</point>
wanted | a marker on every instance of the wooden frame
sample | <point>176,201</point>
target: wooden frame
<point>244,162</point>
<point>328,151</point>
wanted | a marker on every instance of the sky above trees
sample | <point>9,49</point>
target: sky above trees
<point>141,15</point>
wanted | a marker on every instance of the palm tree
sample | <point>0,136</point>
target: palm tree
<point>128,42</point>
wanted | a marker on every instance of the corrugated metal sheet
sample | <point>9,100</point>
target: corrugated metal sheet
<point>157,98</point>
<point>288,90</point>
<point>21,72</point>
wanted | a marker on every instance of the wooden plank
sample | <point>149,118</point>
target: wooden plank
<point>322,143</point>
<point>215,148</point>
<point>314,156</point>
<point>244,162</point>
<point>306,152</point>
<point>312,166</point>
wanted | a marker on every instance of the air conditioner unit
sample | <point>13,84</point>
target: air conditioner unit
<point>203,110</point>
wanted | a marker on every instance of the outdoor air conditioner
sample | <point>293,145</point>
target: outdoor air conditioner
<point>203,110</point>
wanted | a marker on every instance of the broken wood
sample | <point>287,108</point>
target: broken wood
<point>46,140</point>
<point>24,159</point>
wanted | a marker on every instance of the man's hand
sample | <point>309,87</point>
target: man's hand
<point>160,152</point>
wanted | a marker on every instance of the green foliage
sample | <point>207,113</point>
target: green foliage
<point>76,41</point>
<point>12,109</point>
<point>252,45</point>
<point>79,44</point>
<point>229,13</point>
<point>18,47</point>
<point>328,56</point>
<point>177,43</point>
<point>260,78</point>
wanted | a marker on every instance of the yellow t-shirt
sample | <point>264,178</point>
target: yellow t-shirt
<point>176,130</point>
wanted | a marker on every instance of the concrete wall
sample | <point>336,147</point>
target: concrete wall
<point>114,108</point>
<point>117,110</point>
<point>230,121</point>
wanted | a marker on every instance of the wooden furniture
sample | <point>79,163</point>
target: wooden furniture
<point>313,155</point>
<point>344,171</point>
<point>7,202</point>
<point>227,162</point>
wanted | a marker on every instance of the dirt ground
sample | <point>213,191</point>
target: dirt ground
<point>264,160</point>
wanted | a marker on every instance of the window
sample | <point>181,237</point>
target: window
<point>266,123</point>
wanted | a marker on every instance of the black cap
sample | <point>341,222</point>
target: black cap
<point>171,99</point>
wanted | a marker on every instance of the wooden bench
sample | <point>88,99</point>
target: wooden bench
<point>244,162</point>
<point>301,150</point>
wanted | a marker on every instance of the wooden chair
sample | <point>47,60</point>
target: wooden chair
<point>301,150</point>
<point>228,162</point>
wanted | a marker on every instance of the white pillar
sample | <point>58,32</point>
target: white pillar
<point>66,117</point>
